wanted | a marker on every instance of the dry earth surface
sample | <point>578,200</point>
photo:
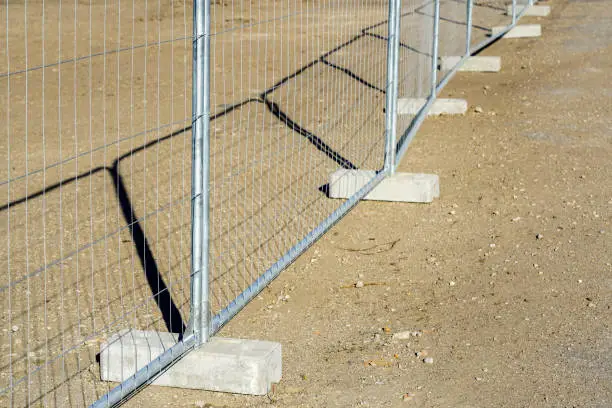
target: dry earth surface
<point>506,280</point>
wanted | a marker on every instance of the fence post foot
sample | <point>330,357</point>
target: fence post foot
<point>471,64</point>
<point>519,31</point>
<point>400,187</point>
<point>222,364</point>
<point>531,11</point>
<point>441,106</point>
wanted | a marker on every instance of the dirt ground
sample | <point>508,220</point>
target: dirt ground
<point>507,277</point>
<point>505,281</point>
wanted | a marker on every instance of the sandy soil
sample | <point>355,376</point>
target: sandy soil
<point>509,319</point>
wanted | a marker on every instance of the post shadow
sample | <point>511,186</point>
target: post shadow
<point>161,294</point>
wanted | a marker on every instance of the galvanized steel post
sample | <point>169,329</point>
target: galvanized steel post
<point>434,52</point>
<point>513,12</point>
<point>392,84</point>
<point>199,308</point>
<point>468,23</point>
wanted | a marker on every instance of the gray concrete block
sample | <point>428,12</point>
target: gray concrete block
<point>472,64</point>
<point>532,11</point>
<point>223,364</point>
<point>441,106</point>
<point>401,187</point>
<point>519,31</point>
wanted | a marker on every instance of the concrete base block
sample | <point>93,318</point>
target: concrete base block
<point>227,365</point>
<point>519,31</point>
<point>472,64</point>
<point>441,106</point>
<point>532,11</point>
<point>401,187</point>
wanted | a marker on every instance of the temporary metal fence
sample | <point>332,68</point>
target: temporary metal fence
<point>165,161</point>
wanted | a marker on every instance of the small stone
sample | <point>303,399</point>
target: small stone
<point>491,245</point>
<point>408,396</point>
<point>359,284</point>
<point>478,109</point>
<point>539,236</point>
<point>15,328</point>
<point>591,304</point>
<point>404,335</point>
<point>516,219</point>
<point>428,360</point>
<point>451,283</point>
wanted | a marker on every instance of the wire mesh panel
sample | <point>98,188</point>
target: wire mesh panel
<point>94,187</point>
<point>487,14</point>
<point>414,55</point>
<point>298,91</point>
<point>453,32</point>
<point>100,191</point>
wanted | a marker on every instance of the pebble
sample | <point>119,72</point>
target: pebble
<point>408,396</point>
<point>404,335</point>
<point>515,219</point>
<point>359,284</point>
<point>451,283</point>
<point>428,360</point>
<point>539,236</point>
<point>15,328</point>
<point>478,109</point>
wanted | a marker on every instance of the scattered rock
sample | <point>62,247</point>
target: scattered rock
<point>404,335</point>
<point>478,109</point>
<point>539,236</point>
<point>451,283</point>
<point>428,360</point>
<point>359,284</point>
<point>408,396</point>
<point>516,219</point>
<point>15,329</point>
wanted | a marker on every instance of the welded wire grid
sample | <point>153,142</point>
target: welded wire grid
<point>415,58</point>
<point>94,185</point>
<point>298,90</point>
<point>487,14</point>
<point>452,33</point>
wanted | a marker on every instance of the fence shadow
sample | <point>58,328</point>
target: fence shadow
<point>157,285</point>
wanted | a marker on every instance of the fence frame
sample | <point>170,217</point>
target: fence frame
<point>202,325</point>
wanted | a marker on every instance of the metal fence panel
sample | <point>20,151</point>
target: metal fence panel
<point>298,92</point>
<point>164,161</point>
<point>94,185</point>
